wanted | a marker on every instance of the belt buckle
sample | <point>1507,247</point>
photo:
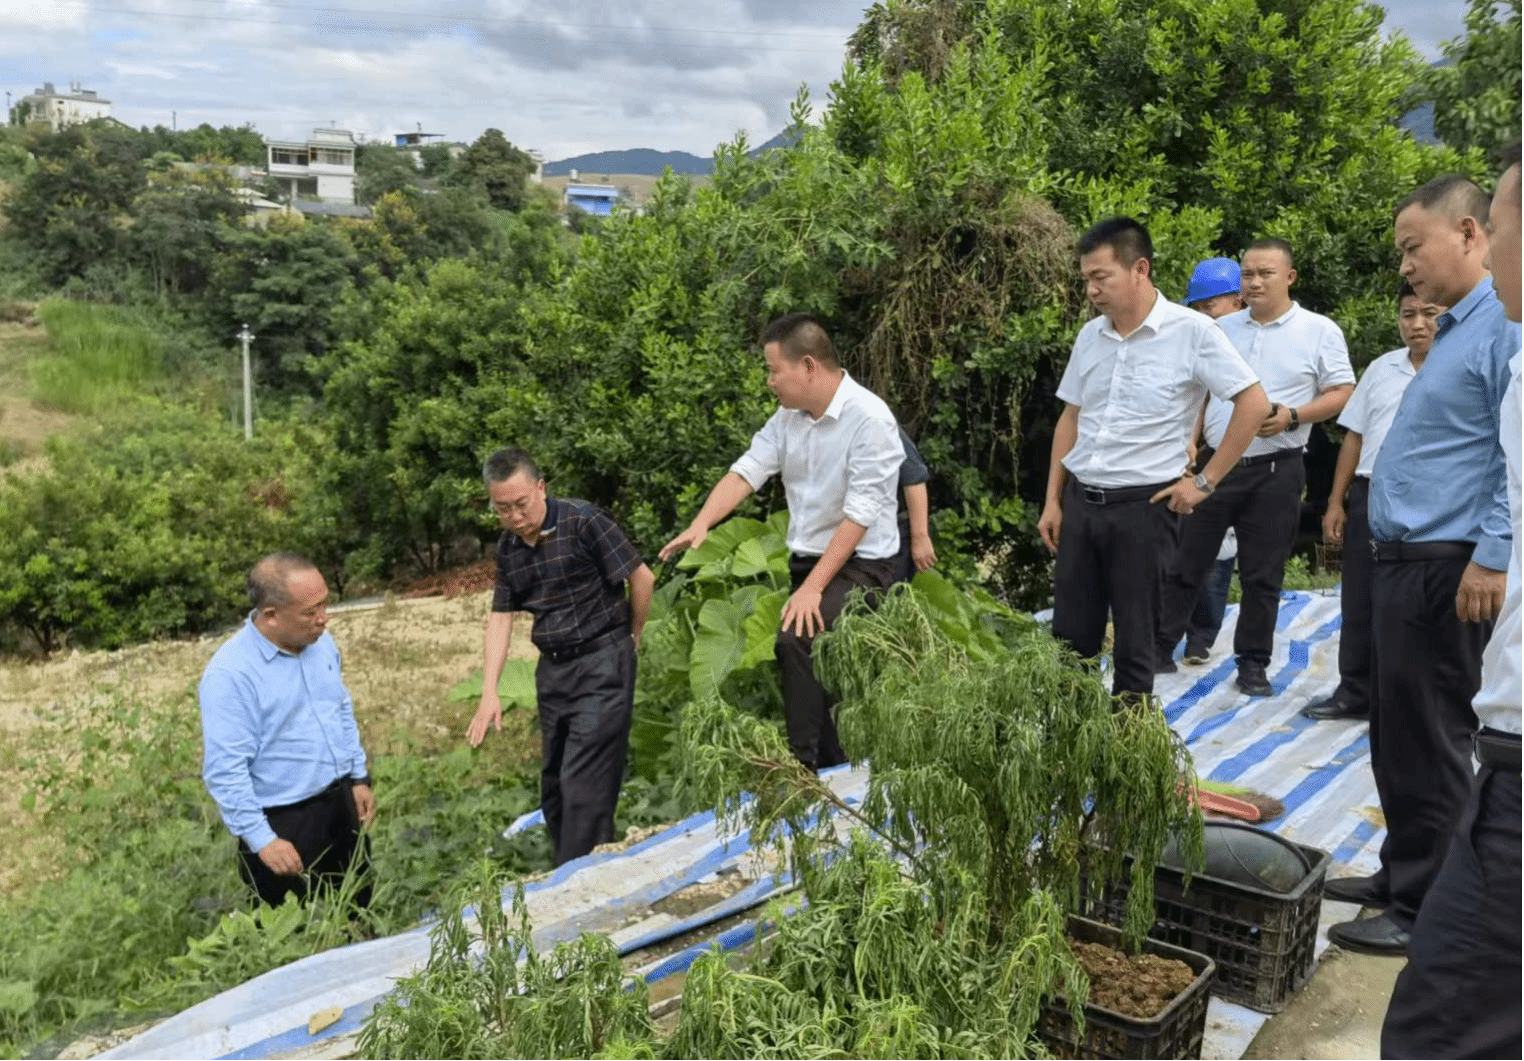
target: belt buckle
<point>1094,495</point>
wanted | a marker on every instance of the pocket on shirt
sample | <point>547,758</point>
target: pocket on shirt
<point>1160,389</point>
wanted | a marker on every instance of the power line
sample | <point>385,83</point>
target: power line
<point>412,30</point>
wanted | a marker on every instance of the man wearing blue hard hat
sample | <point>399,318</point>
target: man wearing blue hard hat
<point>1213,290</point>
<point>1303,362</point>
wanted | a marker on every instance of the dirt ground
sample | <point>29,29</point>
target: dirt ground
<point>1337,1015</point>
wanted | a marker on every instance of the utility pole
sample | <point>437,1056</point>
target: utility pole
<point>248,384</point>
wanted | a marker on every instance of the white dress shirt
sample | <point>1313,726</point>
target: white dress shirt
<point>845,465</point>
<point>1297,356</point>
<point>1373,406</point>
<point>1138,397</point>
<point>1500,700</point>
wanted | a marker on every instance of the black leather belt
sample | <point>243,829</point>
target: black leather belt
<point>1117,495</point>
<point>1497,749</point>
<point>1268,458</point>
<point>333,789</point>
<point>1400,552</point>
<point>592,644</point>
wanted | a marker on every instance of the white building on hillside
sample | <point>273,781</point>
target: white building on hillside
<point>60,109</point>
<point>320,168</point>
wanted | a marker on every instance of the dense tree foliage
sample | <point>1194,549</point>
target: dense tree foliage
<point>930,217</point>
<point>1476,91</point>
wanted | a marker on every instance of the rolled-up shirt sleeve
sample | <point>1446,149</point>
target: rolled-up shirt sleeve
<point>765,457</point>
<point>1220,367</point>
<point>873,472</point>
<point>230,740</point>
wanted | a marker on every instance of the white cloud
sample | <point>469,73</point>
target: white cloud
<point>579,75</point>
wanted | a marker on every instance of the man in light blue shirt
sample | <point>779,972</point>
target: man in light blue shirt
<point>282,756</point>
<point>1441,536</point>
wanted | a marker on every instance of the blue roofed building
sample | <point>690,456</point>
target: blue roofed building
<point>596,199</point>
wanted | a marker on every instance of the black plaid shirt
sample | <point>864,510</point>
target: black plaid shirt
<point>572,579</point>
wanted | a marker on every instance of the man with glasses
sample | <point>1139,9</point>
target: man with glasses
<point>568,564</point>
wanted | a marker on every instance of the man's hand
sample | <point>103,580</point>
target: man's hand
<point>1480,596</point>
<point>1333,522</point>
<point>802,611</point>
<point>280,857</point>
<point>488,713</point>
<point>691,538</point>
<point>1048,524</point>
<point>1276,423</point>
<point>365,804</point>
<point>922,552</point>
<point>1182,497</point>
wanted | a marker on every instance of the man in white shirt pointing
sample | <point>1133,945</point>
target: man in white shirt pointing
<point>1135,380</point>
<point>837,446</point>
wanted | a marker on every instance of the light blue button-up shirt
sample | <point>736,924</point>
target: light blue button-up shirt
<point>1440,475</point>
<point>276,728</point>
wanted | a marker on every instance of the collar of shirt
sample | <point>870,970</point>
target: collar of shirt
<point>1282,319</point>
<point>1153,321</point>
<point>844,391</point>
<point>1464,308</point>
<point>547,526</point>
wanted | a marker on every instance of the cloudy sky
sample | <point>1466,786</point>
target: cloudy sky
<point>563,77</point>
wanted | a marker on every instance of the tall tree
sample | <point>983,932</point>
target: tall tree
<point>495,168</point>
<point>381,169</point>
<point>1476,92</point>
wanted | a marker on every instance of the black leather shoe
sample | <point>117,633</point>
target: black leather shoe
<point>1334,709</point>
<point>1252,680</point>
<point>1197,654</point>
<point>1362,890</point>
<point>1373,935</point>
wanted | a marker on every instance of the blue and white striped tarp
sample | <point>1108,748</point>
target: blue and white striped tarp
<point>1320,770</point>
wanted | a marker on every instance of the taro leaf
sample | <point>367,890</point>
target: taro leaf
<point>17,996</point>
<point>515,688</point>
<point>713,557</point>
<point>761,628</point>
<point>719,641</point>
<point>764,555</point>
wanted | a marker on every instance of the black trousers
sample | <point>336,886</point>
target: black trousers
<point>1459,994</point>
<point>1428,666</point>
<point>806,704</point>
<point>585,707</point>
<point>1112,559</point>
<point>1357,570</point>
<point>325,830</point>
<point>1262,502</point>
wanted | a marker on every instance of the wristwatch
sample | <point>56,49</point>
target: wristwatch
<point>1296,421</point>
<point>1202,484</point>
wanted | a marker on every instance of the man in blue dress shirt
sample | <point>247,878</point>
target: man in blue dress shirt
<point>282,752</point>
<point>1441,535</point>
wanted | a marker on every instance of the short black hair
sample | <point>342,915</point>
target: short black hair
<point>1404,291</point>
<point>800,335</point>
<point>1126,237</point>
<point>506,463</point>
<point>268,578</point>
<point>1272,243</point>
<point>1454,195</point>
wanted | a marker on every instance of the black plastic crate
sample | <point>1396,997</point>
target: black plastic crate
<point>1262,941</point>
<point>1174,1033</point>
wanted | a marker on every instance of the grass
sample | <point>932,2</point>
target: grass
<point>98,357</point>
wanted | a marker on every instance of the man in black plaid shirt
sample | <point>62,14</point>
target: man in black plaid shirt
<point>566,562</point>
